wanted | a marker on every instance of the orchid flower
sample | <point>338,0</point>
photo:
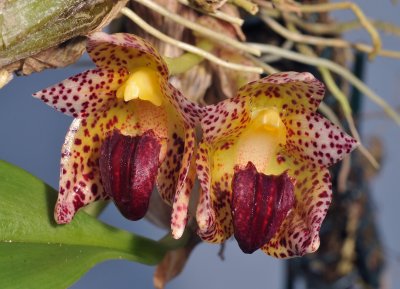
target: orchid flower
<point>131,129</point>
<point>263,166</point>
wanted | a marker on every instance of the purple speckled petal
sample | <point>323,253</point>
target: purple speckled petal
<point>285,91</point>
<point>176,174</point>
<point>83,94</point>
<point>314,138</point>
<point>225,119</point>
<point>213,214</point>
<point>123,50</point>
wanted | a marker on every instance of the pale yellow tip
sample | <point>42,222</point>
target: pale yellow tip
<point>131,91</point>
<point>270,119</point>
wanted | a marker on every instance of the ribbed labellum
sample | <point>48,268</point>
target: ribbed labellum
<point>128,168</point>
<point>260,203</point>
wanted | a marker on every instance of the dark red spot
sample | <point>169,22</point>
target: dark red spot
<point>94,189</point>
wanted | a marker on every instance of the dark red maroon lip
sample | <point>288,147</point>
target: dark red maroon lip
<point>260,203</point>
<point>128,168</point>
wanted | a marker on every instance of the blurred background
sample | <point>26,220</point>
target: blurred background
<point>32,134</point>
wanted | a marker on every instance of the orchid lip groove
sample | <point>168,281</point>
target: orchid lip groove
<point>260,203</point>
<point>123,105</point>
<point>128,168</point>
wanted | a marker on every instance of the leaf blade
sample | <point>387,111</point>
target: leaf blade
<point>35,273</point>
<point>30,239</point>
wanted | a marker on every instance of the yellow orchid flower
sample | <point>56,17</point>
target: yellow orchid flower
<point>131,129</point>
<point>262,166</point>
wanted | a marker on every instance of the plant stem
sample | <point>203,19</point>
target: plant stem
<point>247,5</point>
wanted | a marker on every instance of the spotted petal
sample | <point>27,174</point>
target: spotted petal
<point>226,118</point>
<point>85,93</point>
<point>176,177</point>
<point>285,91</point>
<point>80,182</point>
<point>122,50</point>
<point>299,234</point>
<point>188,111</point>
<point>184,186</point>
<point>314,138</point>
<point>213,210</point>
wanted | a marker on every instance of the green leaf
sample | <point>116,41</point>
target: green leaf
<point>35,252</point>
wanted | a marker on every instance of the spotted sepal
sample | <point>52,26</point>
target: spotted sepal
<point>213,213</point>
<point>86,93</point>
<point>185,182</point>
<point>123,50</point>
<point>315,139</point>
<point>285,91</point>
<point>176,174</point>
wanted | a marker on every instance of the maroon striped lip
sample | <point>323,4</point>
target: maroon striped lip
<point>260,203</point>
<point>128,168</point>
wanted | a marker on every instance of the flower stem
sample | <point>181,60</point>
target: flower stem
<point>186,61</point>
<point>183,63</point>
